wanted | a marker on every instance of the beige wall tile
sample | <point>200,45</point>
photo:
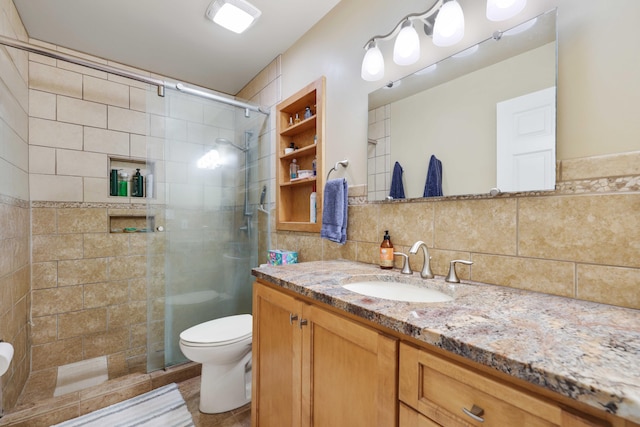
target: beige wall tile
<point>81,271</point>
<point>130,267</point>
<point>106,294</point>
<point>487,226</point>
<point>620,164</point>
<point>53,248</point>
<point>109,342</point>
<point>43,221</point>
<point>368,252</point>
<point>48,133</point>
<point>124,120</point>
<point>550,277</point>
<point>54,80</point>
<point>332,250</point>
<point>441,261</point>
<point>56,300</point>
<point>82,220</point>
<point>105,245</point>
<point>83,322</point>
<point>591,229</point>
<point>77,111</point>
<point>362,223</point>
<point>127,314</point>
<point>106,141</point>
<point>42,160</point>
<point>42,105</point>
<point>406,222</point>
<point>44,275</point>
<point>80,163</point>
<point>56,353</point>
<point>609,285</point>
<point>15,148</point>
<point>55,188</point>
<point>105,92</point>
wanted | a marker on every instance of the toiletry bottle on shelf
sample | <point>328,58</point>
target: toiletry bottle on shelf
<point>307,112</point>
<point>290,120</point>
<point>386,252</point>
<point>297,119</point>
<point>137,186</point>
<point>149,186</point>
<point>123,184</point>
<point>314,165</point>
<point>293,169</point>
<point>312,206</point>
<point>113,188</point>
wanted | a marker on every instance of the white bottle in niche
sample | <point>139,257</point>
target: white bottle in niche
<point>149,186</point>
<point>312,206</point>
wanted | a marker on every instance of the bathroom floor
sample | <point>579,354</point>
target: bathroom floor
<point>39,407</point>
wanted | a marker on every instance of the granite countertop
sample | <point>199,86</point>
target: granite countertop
<point>585,351</point>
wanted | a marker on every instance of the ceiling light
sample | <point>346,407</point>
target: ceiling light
<point>449,27</point>
<point>373,63</point>
<point>406,50</point>
<point>234,15</point>
<point>500,10</point>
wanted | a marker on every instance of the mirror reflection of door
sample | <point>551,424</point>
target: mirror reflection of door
<point>526,142</point>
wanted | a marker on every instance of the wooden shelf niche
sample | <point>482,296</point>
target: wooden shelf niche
<point>292,197</point>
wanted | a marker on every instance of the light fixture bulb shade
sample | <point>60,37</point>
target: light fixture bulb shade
<point>501,10</point>
<point>449,26</point>
<point>372,64</point>
<point>406,50</point>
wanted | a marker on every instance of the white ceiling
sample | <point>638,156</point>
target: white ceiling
<point>172,37</point>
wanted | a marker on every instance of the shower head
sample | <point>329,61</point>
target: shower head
<point>225,141</point>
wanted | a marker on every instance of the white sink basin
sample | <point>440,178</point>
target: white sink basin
<point>397,291</point>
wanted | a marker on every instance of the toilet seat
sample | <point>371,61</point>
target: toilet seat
<point>219,332</point>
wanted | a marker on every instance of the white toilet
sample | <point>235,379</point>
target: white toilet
<point>223,346</point>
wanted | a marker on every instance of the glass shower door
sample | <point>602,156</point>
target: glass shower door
<point>205,162</point>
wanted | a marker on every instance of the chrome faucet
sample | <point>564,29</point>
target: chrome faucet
<point>452,277</point>
<point>426,267</point>
<point>406,269</point>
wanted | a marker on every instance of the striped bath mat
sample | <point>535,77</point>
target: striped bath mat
<point>160,407</point>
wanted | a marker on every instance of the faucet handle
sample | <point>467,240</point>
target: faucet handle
<point>452,277</point>
<point>406,268</point>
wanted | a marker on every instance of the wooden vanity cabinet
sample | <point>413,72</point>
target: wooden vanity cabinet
<point>435,391</point>
<point>312,367</point>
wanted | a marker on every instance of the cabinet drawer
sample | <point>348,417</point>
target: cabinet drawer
<point>447,392</point>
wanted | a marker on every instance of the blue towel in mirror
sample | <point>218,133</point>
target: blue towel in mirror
<point>334,211</point>
<point>433,185</point>
<point>397,189</point>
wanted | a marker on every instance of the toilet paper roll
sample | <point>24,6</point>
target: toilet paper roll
<point>6,354</point>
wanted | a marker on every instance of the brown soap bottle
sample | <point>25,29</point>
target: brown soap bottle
<point>386,252</point>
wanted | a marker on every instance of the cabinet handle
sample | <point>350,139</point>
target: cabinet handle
<point>475,413</point>
<point>292,318</point>
<point>303,322</point>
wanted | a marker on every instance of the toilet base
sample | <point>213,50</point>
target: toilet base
<point>225,388</point>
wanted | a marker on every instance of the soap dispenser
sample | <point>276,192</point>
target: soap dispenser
<point>386,252</point>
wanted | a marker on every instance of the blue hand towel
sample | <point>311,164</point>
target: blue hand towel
<point>433,185</point>
<point>334,211</point>
<point>397,189</point>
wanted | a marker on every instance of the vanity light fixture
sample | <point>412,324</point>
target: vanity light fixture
<point>501,10</point>
<point>444,21</point>
<point>234,15</point>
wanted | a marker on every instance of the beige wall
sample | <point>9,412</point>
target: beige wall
<point>579,241</point>
<point>14,206</point>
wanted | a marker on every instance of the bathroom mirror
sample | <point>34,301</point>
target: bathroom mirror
<point>450,110</point>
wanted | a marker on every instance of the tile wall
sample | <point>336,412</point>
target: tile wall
<point>580,241</point>
<point>14,206</point>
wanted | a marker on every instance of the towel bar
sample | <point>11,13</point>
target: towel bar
<point>344,163</point>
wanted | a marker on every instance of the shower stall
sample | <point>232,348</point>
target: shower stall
<point>203,155</point>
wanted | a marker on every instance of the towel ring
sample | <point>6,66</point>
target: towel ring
<point>344,163</point>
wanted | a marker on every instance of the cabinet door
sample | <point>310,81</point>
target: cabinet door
<point>349,373</point>
<point>276,359</point>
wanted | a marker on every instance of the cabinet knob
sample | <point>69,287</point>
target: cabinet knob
<point>303,322</point>
<point>292,318</point>
<point>475,413</point>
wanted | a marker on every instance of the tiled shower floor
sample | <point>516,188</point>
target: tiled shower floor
<point>38,407</point>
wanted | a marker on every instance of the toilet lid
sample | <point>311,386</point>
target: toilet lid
<point>225,329</point>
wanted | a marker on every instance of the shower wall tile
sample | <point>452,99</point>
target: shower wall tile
<point>57,353</point>
<point>77,111</point>
<point>44,275</point>
<point>42,160</point>
<point>107,141</point>
<point>48,133</point>
<point>56,300</point>
<point>56,247</point>
<point>80,323</point>
<point>42,105</point>
<point>105,92</point>
<point>44,329</point>
<point>82,271</point>
<point>55,80</point>
<point>71,162</point>
<point>105,294</point>
<point>124,120</point>
<point>55,188</point>
<point>82,220</point>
